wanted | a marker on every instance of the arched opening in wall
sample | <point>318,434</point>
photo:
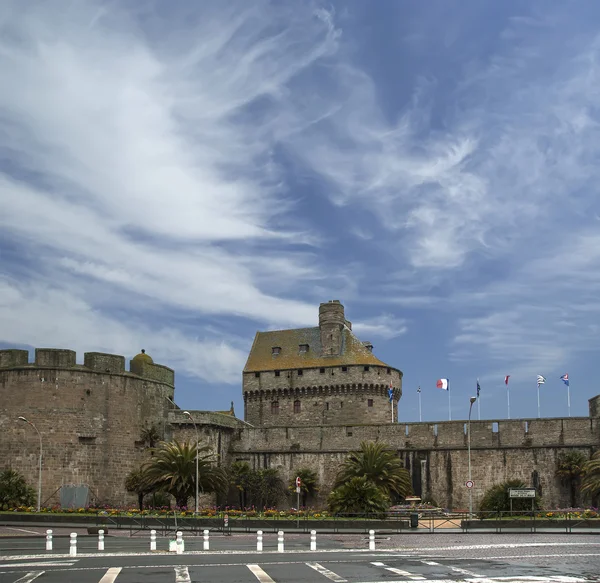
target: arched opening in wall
<point>369,402</point>
<point>406,431</point>
<point>526,426</point>
<point>435,430</point>
<point>297,406</point>
<point>495,427</point>
<point>274,407</point>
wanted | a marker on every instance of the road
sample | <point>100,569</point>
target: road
<point>437,558</point>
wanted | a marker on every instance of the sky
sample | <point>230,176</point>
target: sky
<point>176,176</point>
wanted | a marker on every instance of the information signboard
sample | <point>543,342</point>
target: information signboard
<point>521,493</point>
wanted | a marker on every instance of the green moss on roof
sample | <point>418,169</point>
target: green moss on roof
<point>261,357</point>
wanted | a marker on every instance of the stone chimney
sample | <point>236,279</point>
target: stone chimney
<point>331,325</point>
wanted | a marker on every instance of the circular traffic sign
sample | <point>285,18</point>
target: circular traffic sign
<point>469,483</point>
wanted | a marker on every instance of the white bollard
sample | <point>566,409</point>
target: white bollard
<point>48,540</point>
<point>259,541</point>
<point>73,545</point>
<point>179,543</point>
<point>152,540</point>
<point>206,546</point>
<point>280,541</point>
<point>100,540</point>
<point>313,540</point>
<point>371,540</point>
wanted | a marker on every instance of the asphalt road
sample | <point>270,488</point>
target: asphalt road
<point>436,558</point>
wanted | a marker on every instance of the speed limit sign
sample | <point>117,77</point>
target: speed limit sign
<point>469,483</point>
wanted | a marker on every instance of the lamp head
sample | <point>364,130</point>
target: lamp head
<point>187,413</point>
<point>21,418</point>
<point>472,400</point>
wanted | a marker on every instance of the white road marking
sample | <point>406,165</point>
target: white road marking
<point>399,571</point>
<point>525,579</point>
<point>43,564</point>
<point>182,575</point>
<point>260,574</point>
<point>29,577</point>
<point>22,530</point>
<point>326,572</point>
<point>456,569</point>
<point>111,575</point>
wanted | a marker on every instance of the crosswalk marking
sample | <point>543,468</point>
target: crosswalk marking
<point>111,575</point>
<point>399,571</point>
<point>260,574</point>
<point>30,577</point>
<point>327,573</point>
<point>182,575</point>
<point>455,569</point>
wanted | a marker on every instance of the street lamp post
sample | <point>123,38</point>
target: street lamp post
<point>471,401</point>
<point>187,414</point>
<point>39,496</point>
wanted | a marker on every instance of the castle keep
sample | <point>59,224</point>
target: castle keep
<point>311,395</point>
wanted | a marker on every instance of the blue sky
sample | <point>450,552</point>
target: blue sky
<point>176,178</point>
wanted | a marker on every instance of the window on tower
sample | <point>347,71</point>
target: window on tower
<point>297,406</point>
<point>369,402</point>
<point>275,408</point>
<point>276,350</point>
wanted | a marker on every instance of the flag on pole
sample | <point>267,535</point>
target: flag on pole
<point>443,384</point>
<point>540,380</point>
<point>506,379</point>
<point>478,388</point>
<point>391,392</point>
<point>565,379</point>
<point>419,390</point>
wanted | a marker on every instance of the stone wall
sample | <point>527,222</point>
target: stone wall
<point>90,422</point>
<point>350,394</point>
<point>435,453</point>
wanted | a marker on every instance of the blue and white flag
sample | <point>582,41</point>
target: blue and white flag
<point>478,388</point>
<point>565,379</point>
<point>540,380</point>
<point>391,392</point>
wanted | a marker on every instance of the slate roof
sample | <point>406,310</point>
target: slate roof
<point>261,358</point>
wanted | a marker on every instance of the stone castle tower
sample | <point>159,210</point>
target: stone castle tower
<point>321,375</point>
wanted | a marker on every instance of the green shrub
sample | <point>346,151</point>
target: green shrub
<point>497,499</point>
<point>358,496</point>
<point>14,490</point>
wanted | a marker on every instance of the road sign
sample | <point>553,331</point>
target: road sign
<point>297,489</point>
<point>298,482</point>
<point>469,483</point>
<point>521,493</point>
<point>226,520</point>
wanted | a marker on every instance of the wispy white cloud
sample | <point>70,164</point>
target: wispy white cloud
<point>386,326</point>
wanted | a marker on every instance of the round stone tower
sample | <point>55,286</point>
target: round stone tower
<point>331,325</point>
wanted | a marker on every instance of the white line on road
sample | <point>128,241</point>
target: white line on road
<point>456,569</point>
<point>399,571</point>
<point>22,530</point>
<point>29,577</point>
<point>43,564</point>
<point>326,572</point>
<point>524,579</point>
<point>182,575</point>
<point>111,575</point>
<point>260,574</point>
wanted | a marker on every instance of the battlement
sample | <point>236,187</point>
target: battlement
<point>100,362</point>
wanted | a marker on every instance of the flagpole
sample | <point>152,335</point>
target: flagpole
<point>392,403</point>
<point>420,417</point>
<point>569,399</point>
<point>508,400</point>
<point>449,406</point>
<point>538,393</point>
<point>478,409</point>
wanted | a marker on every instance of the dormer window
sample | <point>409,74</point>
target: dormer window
<point>276,350</point>
<point>303,348</point>
<point>366,369</point>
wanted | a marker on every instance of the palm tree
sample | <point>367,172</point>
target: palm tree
<point>173,469</point>
<point>239,473</point>
<point>137,482</point>
<point>569,468</point>
<point>379,465</point>
<point>358,495</point>
<point>308,483</point>
<point>591,476</point>
<point>150,435</point>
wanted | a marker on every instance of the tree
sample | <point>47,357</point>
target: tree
<point>265,487</point>
<point>150,436</point>
<point>14,490</point>
<point>308,483</point>
<point>358,495</point>
<point>173,469</point>
<point>379,465</point>
<point>138,482</point>
<point>591,476</point>
<point>239,473</point>
<point>569,468</point>
<point>497,498</point>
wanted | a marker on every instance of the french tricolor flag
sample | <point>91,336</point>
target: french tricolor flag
<point>443,384</point>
